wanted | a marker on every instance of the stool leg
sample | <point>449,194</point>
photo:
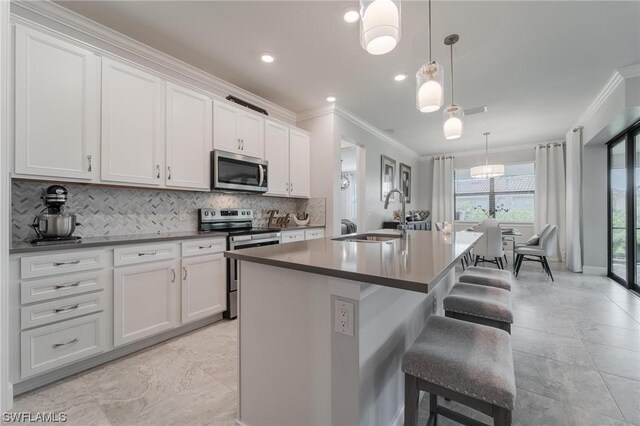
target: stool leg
<point>501,416</point>
<point>433,409</point>
<point>411,396</point>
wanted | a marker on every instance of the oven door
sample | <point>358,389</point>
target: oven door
<point>238,172</point>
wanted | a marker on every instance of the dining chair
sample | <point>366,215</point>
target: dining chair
<point>489,248</point>
<point>540,252</point>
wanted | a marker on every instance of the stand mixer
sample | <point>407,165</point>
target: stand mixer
<point>53,225</point>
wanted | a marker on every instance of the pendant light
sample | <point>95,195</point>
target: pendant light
<point>453,126</point>
<point>487,170</point>
<point>379,25</point>
<point>429,82</point>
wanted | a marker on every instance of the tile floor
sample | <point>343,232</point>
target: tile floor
<point>576,352</point>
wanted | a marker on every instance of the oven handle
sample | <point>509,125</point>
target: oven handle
<point>261,168</point>
<point>241,244</point>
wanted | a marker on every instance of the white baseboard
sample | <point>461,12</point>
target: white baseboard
<point>594,270</point>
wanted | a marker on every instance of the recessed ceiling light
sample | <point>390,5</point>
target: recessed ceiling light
<point>351,16</point>
<point>400,77</point>
<point>267,58</point>
<point>331,98</point>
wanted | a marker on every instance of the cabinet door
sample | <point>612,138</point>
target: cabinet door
<point>56,107</point>
<point>204,286</point>
<point>132,125</point>
<point>276,152</point>
<point>226,122</point>
<point>251,134</point>
<point>189,138</point>
<point>145,300</point>
<point>299,162</point>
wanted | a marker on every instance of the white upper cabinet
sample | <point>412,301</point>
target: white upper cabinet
<point>276,152</point>
<point>299,162</point>
<point>132,125</point>
<point>251,134</point>
<point>237,131</point>
<point>56,107</point>
<point>189,138</point>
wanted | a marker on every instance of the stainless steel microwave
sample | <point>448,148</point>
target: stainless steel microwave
<point>234,172</point>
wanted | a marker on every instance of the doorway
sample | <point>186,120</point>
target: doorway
<point>351,186</point>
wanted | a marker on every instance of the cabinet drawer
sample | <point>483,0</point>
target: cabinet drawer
<point>204,246</point>
<point>54,264</point>
<point>313,234</point>
<point>63,309</point>
<point>291,236</point>
<point>60,286</point>
<point>52,346</point>
<point>144,253</point>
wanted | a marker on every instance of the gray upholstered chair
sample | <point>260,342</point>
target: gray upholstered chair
<point>538,253</point>
<point>542,232</point>
<point>480,304</point>
<point>487,276</point>
<point>439,363</point>
<point>489,248</point>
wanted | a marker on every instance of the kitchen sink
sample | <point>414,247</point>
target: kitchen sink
<point>369,238</point>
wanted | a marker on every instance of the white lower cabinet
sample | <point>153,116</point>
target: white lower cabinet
<point>203,286</point>
<point>145,300</point>
<point>292,236</point>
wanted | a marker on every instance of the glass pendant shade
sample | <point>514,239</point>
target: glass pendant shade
<point>487,171</point>
<point>429,81</point>
<point>379,25</point>
<point>453,125</point>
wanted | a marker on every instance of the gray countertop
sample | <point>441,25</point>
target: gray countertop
<point>302,227</point>
<point>27,247</point>
<point>416,264</point>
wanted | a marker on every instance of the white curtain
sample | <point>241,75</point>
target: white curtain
<point>442,197</point>
<point>550,192</point>
<point>574,200</point>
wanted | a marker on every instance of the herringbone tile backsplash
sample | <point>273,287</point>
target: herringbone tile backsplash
<point>126,211</point>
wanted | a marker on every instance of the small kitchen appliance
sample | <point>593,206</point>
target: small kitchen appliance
<point>53,225</point>
<point>235,172</point>
<point>238,224</point>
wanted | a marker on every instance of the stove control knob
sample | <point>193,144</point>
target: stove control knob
<point>206,213</point>
<point>213,213</point>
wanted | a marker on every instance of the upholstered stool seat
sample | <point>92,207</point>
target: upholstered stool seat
<point>468,363</point>
<point>487,276</point>
<point>480,304</point>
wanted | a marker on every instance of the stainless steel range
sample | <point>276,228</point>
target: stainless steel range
<point>238,223</point>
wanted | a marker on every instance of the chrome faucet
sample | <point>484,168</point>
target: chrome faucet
<point>403,219</point>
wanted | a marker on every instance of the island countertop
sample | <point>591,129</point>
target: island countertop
<point>416,264</point>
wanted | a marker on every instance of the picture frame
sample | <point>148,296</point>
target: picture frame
<point>387,176</point>
<point>404,181</point>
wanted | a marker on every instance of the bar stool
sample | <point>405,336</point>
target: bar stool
<point>480,304</point>
<point>439,363</point>
<point>487,276</point>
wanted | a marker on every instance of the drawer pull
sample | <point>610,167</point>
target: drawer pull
<point>205,247</point>
<point>57,345</point>
<point>173,271</point>
<point>149,253</point>
<point>67,308</point>
<point>71,262</point>
<point>61,286</point>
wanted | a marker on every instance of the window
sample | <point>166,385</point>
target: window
<point>510,198</point>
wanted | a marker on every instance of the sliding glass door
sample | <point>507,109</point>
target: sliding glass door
<point>624,208</point>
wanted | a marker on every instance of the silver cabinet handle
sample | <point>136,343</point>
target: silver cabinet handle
<point>291,187</point>
<point>169,170</point>
<point>71,262</point>
<point>149,253</point>
<point>158,169</point>
<point>89,158</point>
<point>61,286</point>
<point>173,280</point>
<point>242,141</point>
<point>57,345</point>
<point>184,268</point>
<point>205,247</point>
<point>287,186</point>
<point>238,143</point>
<point>66,308</point>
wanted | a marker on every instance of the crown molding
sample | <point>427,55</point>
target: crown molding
<point>510,148</point>
<point>313,113</point>
<point>630,71</point>
<point>609,87</point>
<point>59,14</point>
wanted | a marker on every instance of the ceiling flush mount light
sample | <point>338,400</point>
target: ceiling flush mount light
<point>331,98</point>
<point>267,58</point>
<point>351,16</point>
<point>400,77</point>
<point>379,25</point>
<point>453,126</point>
<point>487,170</point>
<point>429,82</point>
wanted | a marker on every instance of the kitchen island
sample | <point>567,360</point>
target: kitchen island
<point>324,324</point>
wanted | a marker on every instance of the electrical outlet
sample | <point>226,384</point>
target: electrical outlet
<point>344,317</point>
<point>435,304</point>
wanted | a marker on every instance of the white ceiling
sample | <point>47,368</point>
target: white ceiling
<point>536,65</point>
